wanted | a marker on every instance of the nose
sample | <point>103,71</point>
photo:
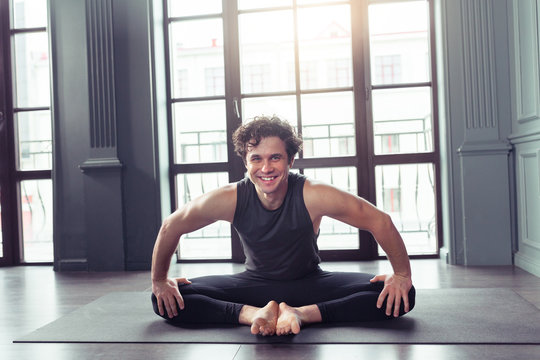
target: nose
<point>267,166</point>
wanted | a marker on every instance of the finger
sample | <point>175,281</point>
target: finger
<point>182,281</point>
<point>175,304</point>
<point>397,303</point>
<point>381,298</point>
<point>180,301</point>
<point>377,278</point>
<point>406,302</point>
<point>160,307</point>
<point>171,309</point>
<point>389,304</point>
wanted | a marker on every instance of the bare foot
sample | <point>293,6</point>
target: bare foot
<point>289,320</point>
<point>264,319</point>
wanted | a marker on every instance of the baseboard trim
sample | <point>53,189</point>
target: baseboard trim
<point>138,266</point>
<point>528,264</point>
<point>71,265</point>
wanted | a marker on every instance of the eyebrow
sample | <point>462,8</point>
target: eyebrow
<point>271,155</point>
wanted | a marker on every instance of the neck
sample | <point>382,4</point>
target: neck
<point>272,201</point>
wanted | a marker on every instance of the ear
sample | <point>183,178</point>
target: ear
<point>291,163</point>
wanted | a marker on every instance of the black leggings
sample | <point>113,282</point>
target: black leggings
<point>340,296</point>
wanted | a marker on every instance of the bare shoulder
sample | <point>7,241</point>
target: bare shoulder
<point>327,200</point>
<point>313,188</point>
<point>219,204</point>
<point>321,199</point>
<point>224,193</point>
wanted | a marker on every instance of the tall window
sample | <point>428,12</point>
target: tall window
<point>27,120</point>
<point>350,76</point>
<point>402,116</point>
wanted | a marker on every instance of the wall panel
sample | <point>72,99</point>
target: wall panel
<point>525,135</point>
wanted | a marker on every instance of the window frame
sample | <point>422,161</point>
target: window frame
<point>365,159</point>
<point>11,175</point>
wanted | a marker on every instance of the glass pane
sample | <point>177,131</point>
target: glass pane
<point>335,234</point>
<point>402,120</point>
<point>407,194</point>
<point>325,133</point>
<point>197,58</point>
<point>324,35</point>
<point>190,8</point>
<point>283,107</point>
<point>267,52</point>
<point>199,132</point>
<point>31,64</point>
<point>399,42</point>
<point>212,241</point>
<point>34,140</point>
<point>262,4</point>
<point>36,219</point>
<point>29,13</point>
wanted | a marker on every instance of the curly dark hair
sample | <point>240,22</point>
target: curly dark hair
<point>250,134</point>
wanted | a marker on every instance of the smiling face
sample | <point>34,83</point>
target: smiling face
<point>268,169</point>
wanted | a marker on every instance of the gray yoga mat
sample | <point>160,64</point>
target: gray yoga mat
<point>441,316</point>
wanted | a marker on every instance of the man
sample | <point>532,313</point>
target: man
<point>277,215</point>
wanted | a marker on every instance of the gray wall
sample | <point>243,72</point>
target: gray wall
<point>488,59</point>
<point>107,76</point>
<point>474,93</point>
<point>110,159</point>
<point>525,47</point>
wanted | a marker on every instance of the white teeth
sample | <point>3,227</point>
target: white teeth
<point>267,178</point>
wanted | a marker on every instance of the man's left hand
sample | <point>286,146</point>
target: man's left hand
<point>396,288</point>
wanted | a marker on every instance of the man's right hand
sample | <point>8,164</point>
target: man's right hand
<point>168,295</point>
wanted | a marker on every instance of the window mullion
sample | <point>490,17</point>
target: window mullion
<point>364,152</point>
<point>232,83</point>
<point>168,91</point>
<point>233,105</point>
<point>10,236</point>
<point>297,77</point>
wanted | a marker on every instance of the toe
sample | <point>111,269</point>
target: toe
<point>295,328</point>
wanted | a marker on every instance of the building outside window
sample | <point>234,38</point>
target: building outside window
<point>215,80</point>
<point>338,72</point>
<point>388,69</point>
<point>256,78</point>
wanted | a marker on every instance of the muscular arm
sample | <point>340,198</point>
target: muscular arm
<point>325,200</point>
<point>213,206</point>
<point>216,205</point>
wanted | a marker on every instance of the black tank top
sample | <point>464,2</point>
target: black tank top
<point>279,244</point>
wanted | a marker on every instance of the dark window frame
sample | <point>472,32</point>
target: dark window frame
<point>365,159</point>
<point>10,176</point>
